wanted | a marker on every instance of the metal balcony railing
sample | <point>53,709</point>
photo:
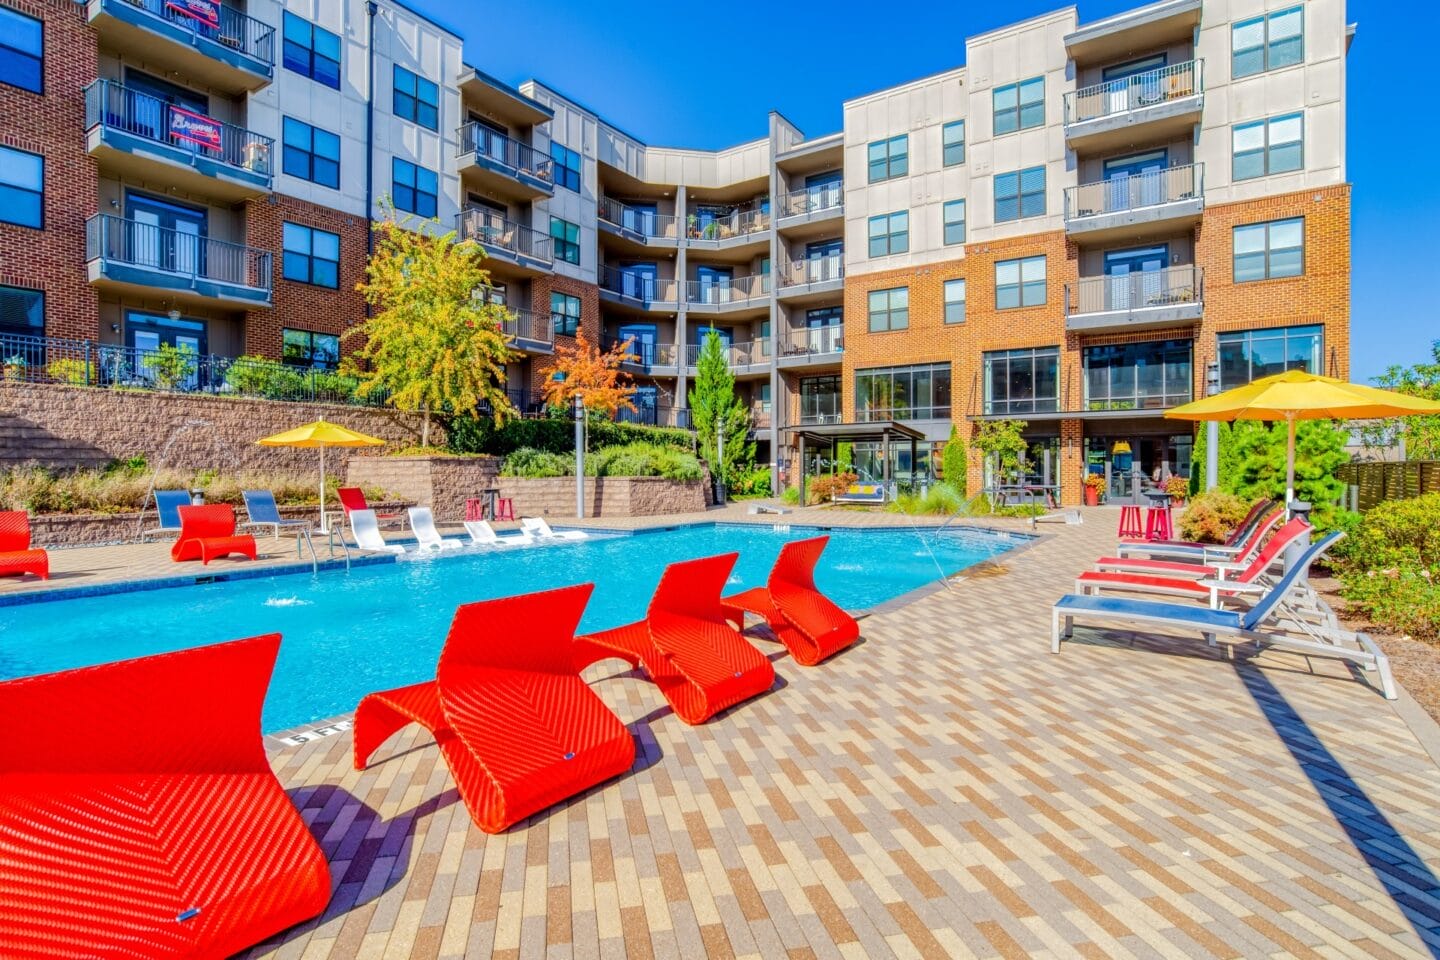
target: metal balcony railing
<point>177,253</point>
<point>1152,188</point>
<point>239,31</point>
<point>655,415</point>
<point>647,355</point>
<point>1115,97</point>
<point>639,286</point>
<point>492,230</point>
<point>526,325</point>
<point>760,418</point>
<point>725,290</point>
<point>813,340</point>
<point>480,140</point>
<point>830,413</point>
<point>645,222</point>
<point>744,354</point>
<point>1173,286</point>
<point>118,107</point>
<point>829,196</point>
<point>812,270</point>
<point>739,222</point>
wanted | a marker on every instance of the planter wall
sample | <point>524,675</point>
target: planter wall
<point>604,496</point>
<point>89,529</point>
<point>442,483</point>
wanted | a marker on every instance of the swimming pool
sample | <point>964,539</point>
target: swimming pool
<point>382,625</point>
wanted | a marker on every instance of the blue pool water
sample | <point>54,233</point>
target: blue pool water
<point>380,626</point>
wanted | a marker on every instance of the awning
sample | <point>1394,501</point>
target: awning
<point>869,432</point>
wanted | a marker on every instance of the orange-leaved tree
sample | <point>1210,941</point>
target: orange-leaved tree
<point>592,373</point>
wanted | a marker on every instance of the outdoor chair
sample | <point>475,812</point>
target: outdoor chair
<point>16,556</point>
<point>353,498</point>
<point>367,533</point>
<point>700,663</point>
<point>811,627</point>
<point>155,828</point>
<point>207,532</point>
<point>422,522</point>
<point>519,728</point>
<point>484,535</point>
<point>539,528</point>
<point>262,511</point>
<point>167,509</point>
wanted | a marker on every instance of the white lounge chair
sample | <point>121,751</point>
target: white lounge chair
<point>484,535</point>
<point>538,528</point>
<point>422,522</point>
<point>367,533</point>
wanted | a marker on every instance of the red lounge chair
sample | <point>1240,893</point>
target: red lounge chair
<point>519,728</point>
<point>699,661</point>
<point>16,557</point>
<point>353,498</point>
<point>804,619</point>
<point>207,532</point>
<point>155,828</point>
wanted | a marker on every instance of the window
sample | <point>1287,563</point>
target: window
<point>22,312</point>
<point>954,215</point>
<point>1019,106</point>
<point>567,167</point>
<point>1267,43</point>
<point>1020,195</point>
<point>1022,381</point>
<point>22,51</point>
<point>889,309</point>
<point>416,99</point>
<point>952,143</point>
<point>306,348</point>
<point>311,256</point>
<point>889,158</point>
<point>566,238</point>
<point>311,154</point>
<point>920,392</point>
<point>1251,354</point>
<point>1019,283</point>
<point>564,314</point>
<point>820,400</point>
<point>955,301</point>
<point>22,188</point>
<point>1265,251</point>
<point>889,233</point>
<point>1266,147</point>
<point>417,190</point>
<point>311,51</point>
<point>1138,376</point>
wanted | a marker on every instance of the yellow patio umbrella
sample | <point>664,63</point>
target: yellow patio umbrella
<point>321,434</point>
<point>1296,395</point>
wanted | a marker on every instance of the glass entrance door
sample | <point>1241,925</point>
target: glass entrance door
<point>640,217</point>
<point>637,280</point>
<point>715,284</point>
<point>165,235</point>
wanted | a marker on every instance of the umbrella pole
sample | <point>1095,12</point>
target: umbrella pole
<point>1290,461</point>
<point>322,489</point>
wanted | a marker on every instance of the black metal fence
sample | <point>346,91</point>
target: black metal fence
<point>1377,480</point>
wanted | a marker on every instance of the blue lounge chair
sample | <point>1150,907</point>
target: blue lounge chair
<point>262,511</point>
<point>1271,621</point>
<point>167,507</point>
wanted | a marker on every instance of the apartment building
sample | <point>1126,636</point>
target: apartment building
<point>1084,224</point>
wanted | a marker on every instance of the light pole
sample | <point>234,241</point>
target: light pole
<point>720,461</point>
<point>1212,429</point>
<point>559,377</point>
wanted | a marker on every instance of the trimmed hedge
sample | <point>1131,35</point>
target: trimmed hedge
<point>555,435</point>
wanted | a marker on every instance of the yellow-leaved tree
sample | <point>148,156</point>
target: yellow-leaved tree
<point>595,375</point>
<point>433,343</point>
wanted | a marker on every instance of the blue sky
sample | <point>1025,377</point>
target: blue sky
<point>676,74</point>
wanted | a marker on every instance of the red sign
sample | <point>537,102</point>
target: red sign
<point>205,11</point>
<point>194,128</point>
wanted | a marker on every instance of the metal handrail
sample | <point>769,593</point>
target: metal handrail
<point>655,415</point>
<point>492,230</point>
<point>815,270</point>
<point>476,138</point>
<point>171,251</point>
<point>746,354</point>
<point>139,114</point>
<point>1171,286</point>
<point>815,419</point>
<point>828,196</point>
<point>813,340</point>
<point>728,290</point>
<point>526,325</point>
<point>741,221</point>
<point>647,355</point>
<point>634,286</point>
<point>643,222</point>
<point>237,30</point>
<point>1150,188</point>
<point>1146,89</point>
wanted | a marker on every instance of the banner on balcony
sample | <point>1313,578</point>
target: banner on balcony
<point>194,128</point>
<point>203,11</point>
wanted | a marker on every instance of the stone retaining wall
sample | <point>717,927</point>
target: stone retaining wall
<point>604,496</point>
<point>443,483</point>
<point>88,529</point>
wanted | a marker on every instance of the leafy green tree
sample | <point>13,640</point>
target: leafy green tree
<point>716,410</point>
<point>953,461</point>
<point>1422,434</point>
<point>1001,439</point>
<point>1259,465</point>
<point>1229,460</point>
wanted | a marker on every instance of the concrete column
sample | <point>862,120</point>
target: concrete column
<point>682,383</point>
<point>779,406</point>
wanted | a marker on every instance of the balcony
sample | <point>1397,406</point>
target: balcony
<point>132,257</point>
<point>1136,301</point>
<point>811,211</point>
<point>145,138</point>
<point>494,163</point>
<point>729,294</point>
<point>741,227</point>
<point>812,346</point>
<point>234,52</point>
<point>811,278</point>
<point>639,225</point>
<point>639,291</point>
<point>1151,202</point>
<point>752,356</point>
<point>530,332</point>
<point>654,358</point>
<point>504,240</point>
<point>1165,102</point>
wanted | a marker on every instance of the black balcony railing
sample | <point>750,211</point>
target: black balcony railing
<point>655,415</point>
<point>480,140</point>
<point>493,230</point>
<point>174,252</point>
<point>239,31</point>
<point>119,108</point>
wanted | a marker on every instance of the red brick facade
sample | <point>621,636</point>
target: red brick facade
<point>540,290</point>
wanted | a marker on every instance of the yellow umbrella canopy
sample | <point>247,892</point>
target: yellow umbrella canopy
<point>321,434</point>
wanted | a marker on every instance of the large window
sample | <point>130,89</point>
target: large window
<point>416,99</point>
<point>952,143</point>
<point>311,154</point>
<point>1266,147</point>
<point>566,238</point>
<point>1265,251</point>
<point>1019,195</point>
<point>820,400</point>
<point>22,51</point>
<point>954,215</point>
<point>311,256</point>
<point>1019,283</point>
<point>889,158</point>
<point>564,314</point>
<point>22,188</point>
<point>1267,43</point>
<point>566,167</point>
<point>22,312</point>
<point>955,301</point>
<point>921,392</point>
<point>306,348</point>
<point>1022,381</point>
<point>1251,354</point>
<point>1019,106</point>
<point>889,233</point>
<point>311,51</point>
<point>1138,376</point>
<point>889,309</point>
<point>417,190</point>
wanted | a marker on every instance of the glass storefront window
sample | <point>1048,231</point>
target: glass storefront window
<point>820,400</point>
<point>920,392</point>
<point>1251,354</point>
<point>1137,376</point>
<point>1022,381</point>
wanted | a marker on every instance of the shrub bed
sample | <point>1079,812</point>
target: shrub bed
<point>555,435</point>
<point>1390,566</point>
<point>625,460</point>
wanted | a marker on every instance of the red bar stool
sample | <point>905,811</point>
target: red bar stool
<point>474,509</point>
<point>1130,522</point>
<point>1157,520</point>
<point>504,508</point>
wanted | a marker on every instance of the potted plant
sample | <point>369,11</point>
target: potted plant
<point>1094,484</point>
<point>14,368</point>
<point>1178,487</point>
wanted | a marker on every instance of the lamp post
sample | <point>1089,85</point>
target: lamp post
<point>1212,429</point>
<point>720,461</point>
<point>559,377</point>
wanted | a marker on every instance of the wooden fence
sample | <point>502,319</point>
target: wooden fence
<point>1379,481</point>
